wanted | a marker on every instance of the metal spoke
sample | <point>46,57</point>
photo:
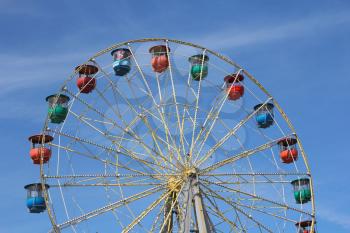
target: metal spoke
<point>110,207</point>
<point>216,105</point>
<point>138,116</point>
<point>229,134</point>
<point>170,211</point>
<point>104,185</point>
<point>145,212</point>
<point>267,213</point>
<point>95,157</point>
<point>260,198</point>
<point>248,216</point>
<point>157,106</point>
<point>241,155</point>
<point>197,103</point>
<point>256,174</point>
<point>174,97</point>
<point>109,137</point>
<point>127,152</point>
<point>221,215</point>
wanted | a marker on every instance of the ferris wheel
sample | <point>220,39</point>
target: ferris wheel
<point>160,135</point>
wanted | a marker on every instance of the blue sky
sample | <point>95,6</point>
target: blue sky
<point>297,49</point>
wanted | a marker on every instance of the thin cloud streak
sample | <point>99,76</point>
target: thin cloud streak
<point>20,72</point>
<point>335,217</point>
<point>32,73</point>
<point>232,38</point>
<point>17,110</point>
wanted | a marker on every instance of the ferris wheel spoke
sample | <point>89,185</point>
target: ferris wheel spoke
<point>168,135</point>
<point>174,98</point>
<point>257,174</point>
<point>96,157</point>
<point>238,218</point>
<point>223,221</point>
<point>238,141</point>
<point>229,134</point>
<point>125,176</point>
<point>126,152</point>
<point>149,163</point>
<point>163,112</point>
<point>238,184</point>
<point>189,91</point>
<point>248,216</point>
<point>110,207</point>
<point>282,205</point>
<point>255,129</point>
<point>178,160</point>
<point>118,164</point>
<point>115,124</point>
<point>215,209</point>
<point>103,185</point>
<point>239,156</point>
<point>119,181</point>
<point>89,106</point>
<point>116,90</point>
<point>87,155</point>
<point>209,116</point>
<point>121,138</point>
<point>252,182</point>
<point>114,212</point>
<point>84,111</point>
<point>260,210</point>
<point>87,123</point>
<point>155,138</point>
<point>145,213</point>
<point>164,142</point>
<point>217,107</point>
<point>169,212</point>
<point>138,115</point>
<point>197,95</point>
<point>157,218</point>
<point>94,120</point>
<point>157,106</point>
<point>243,148</point>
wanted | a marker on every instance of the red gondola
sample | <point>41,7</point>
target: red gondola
<point>38,152</point>
<point>234,87</point>
<point>160,60</point>
<point>304,226</point>
<point>85,82</point>
<point>288,150</point>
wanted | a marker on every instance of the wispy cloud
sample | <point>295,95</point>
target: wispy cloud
<point>335,216</point>
<point>23,75</point>
<point>23,109</point>
<point>23,72</point>
<point>237,37</point>
<point>30,72</point>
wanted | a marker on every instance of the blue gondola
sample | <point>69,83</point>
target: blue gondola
<point>122,62</point>
<point>35,200</point>
<point>264,116</point>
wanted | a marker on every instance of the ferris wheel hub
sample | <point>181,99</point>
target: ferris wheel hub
<point>174,183</point>
<point>190,172</point>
